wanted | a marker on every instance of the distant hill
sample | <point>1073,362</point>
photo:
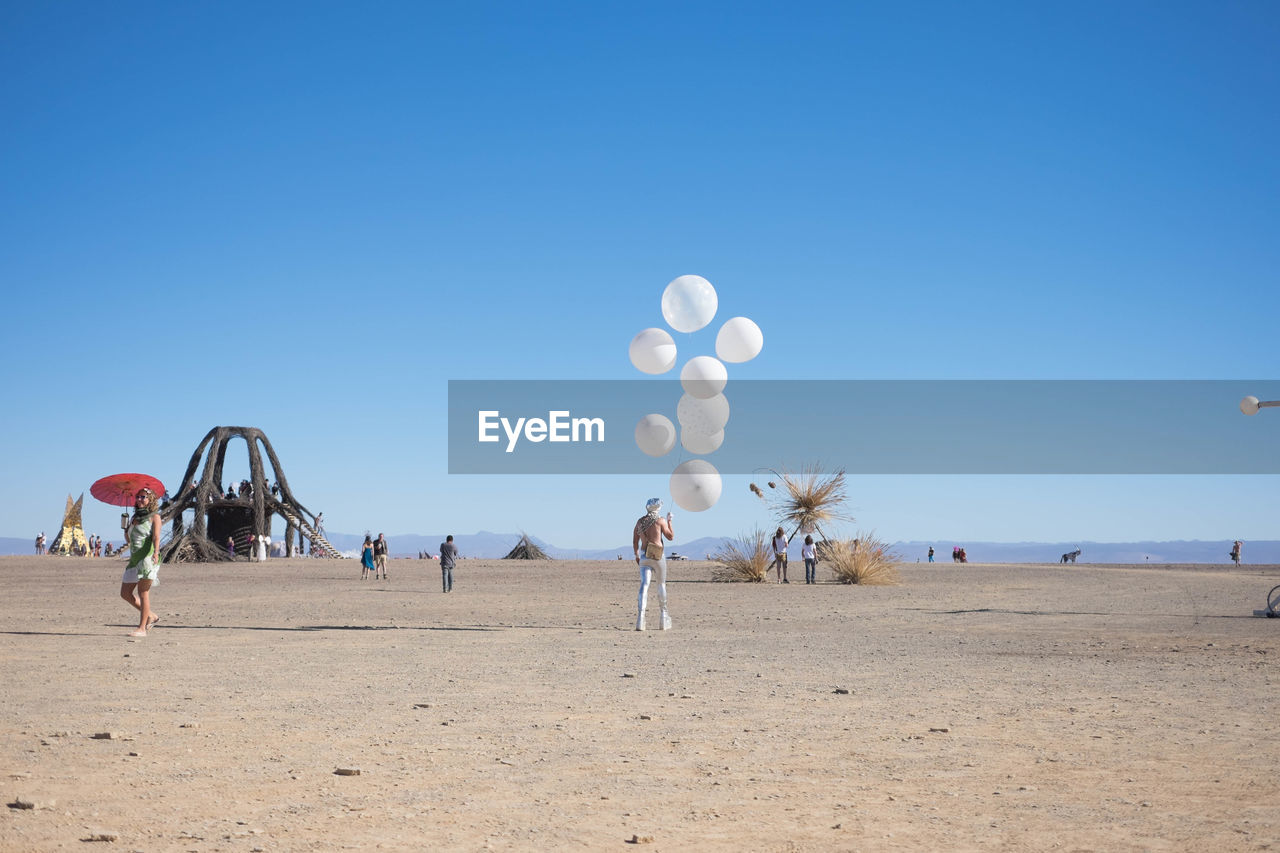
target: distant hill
<point>481,545</point>
<point>697,549</point>
<point>488,545</point>
<point>9,545</point>
<point>1178,551</point>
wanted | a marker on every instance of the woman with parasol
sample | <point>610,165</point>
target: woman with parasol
<point>143,571</point>
<point>142,533</point>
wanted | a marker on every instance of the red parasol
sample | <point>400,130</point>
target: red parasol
<point>121,489</point>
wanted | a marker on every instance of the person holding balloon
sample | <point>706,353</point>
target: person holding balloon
<point>646,541</point>
<point>143,571</point>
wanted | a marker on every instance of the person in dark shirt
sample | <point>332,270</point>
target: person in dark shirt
<point>448,553</point>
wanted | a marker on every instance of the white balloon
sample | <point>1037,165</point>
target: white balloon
<point>707,416</point>
<point>655,435</point>
<point>653,351</point>
<point>689,303</point>
<point>739,340</point>
<point>699,443</point>
<point>1249,405</point>
<point>703,377</point>
<point>696,485</point>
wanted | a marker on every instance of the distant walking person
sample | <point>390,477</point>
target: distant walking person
<point>40,543</point>
<point>143,571</point>
<point>380,549</point>
<point>930,553</point>
<point>1236,548</point>
<point>366,558</point>
<point>780,556</point>
<point>646,542</point>
<point>810,556</point>
<point>448,553</point>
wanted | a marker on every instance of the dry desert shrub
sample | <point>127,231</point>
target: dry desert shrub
<point>743,560</point>
<point>810,498</point>
<point>865,560</point>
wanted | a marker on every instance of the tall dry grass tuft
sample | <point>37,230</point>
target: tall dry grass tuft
<point>866,560</point>
<point>743,560</point>
<point>812,497</point>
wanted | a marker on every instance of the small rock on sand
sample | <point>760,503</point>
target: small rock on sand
<point>347,771</point>
<point>27,803</point>
<point>101,836</point>
<point>107,736</point>
<point>640,839</point>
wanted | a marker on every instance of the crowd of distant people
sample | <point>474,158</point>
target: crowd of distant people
<point>243,491</point>
<point>375,552</point>
<point>958,554</point>
<point>91,547</point>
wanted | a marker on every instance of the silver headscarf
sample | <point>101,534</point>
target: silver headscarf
<point>651,509</point>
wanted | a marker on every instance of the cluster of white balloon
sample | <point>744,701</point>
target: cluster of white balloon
<point>688,304</point>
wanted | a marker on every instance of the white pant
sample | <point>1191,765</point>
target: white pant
<point>646,574</point>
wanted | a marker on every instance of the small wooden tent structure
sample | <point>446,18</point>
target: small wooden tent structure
<point>217,519</point>
<point>526,550</point>
<point>71,538</point>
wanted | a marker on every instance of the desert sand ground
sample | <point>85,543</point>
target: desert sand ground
<point>988,707</point>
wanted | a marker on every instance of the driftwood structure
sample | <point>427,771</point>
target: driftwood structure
<point>526,550</point>
<point>217,519</point>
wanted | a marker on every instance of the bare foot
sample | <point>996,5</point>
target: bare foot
<point>141,632</point>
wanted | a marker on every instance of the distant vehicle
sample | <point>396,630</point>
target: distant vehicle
<point>674,556</point>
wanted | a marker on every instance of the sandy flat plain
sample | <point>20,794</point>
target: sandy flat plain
<point>987,707</point>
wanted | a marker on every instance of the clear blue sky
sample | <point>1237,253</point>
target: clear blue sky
<point>307,217</point>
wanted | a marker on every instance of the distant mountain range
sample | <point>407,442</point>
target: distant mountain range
<point>1262,552</point>
<point>487,545</point>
